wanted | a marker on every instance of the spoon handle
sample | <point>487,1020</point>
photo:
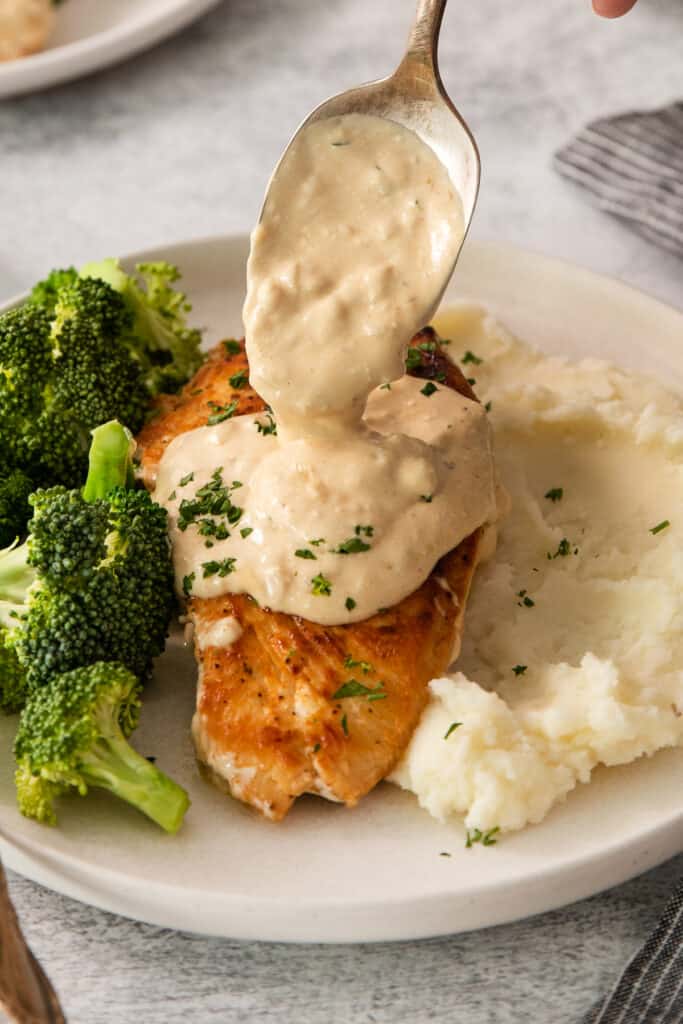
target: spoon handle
<point>25,992</point>
<point>424,35</point>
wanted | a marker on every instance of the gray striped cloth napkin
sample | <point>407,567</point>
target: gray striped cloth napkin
<point>650,990</point>
<point>633,165</point>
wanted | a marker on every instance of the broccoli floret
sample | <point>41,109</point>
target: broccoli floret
<point>45,292</point>
<point>73,735</point>
<point>15,487</point>
<point>83,350</point>
<point>159,338</point>
<point>93,581</point>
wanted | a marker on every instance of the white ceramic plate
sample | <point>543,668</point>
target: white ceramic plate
<point>91,34</point>
<point>326,873</point>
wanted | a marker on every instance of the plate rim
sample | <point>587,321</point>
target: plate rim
<point>560,884</point>
<point>95,52</point>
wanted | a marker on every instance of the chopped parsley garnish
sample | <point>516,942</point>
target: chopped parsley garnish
<point>428,389</point>
<point>488,407</point>
<point>232,347</point>
<point>187,584</point>
<point>345,725</point>
<point>246,530</point>
<point>350,604</point>
<point>444,853</point>
<point>220,412</point>
<point>660,526</point>
<point>322,587</point>
<point>223,568</point>
<point>317,542</point>
<point>471,381</point>
<point>316,748</point>
<point>554,494</point>
<point>239,379</point>
<point>211,528</point>
<point>267,428</point>
<point>427,346</point>
<point>451,728</point>
<point>427,498</point>
<point>519,670</point>
<point>172,496</point>
<point>526,600</point>
<point>213,499</point>
<point>304,553</point>
<point>365,666</point>
<point>413,359</point>
<point>485,838</point>
<point>352,546</point>
<point>385,387</point>
<point>470,357</point>
<point>563,549</point>
<point>352,688</point>
<point>367,530</point>
<point>184,481</point>
<point>340,144</point>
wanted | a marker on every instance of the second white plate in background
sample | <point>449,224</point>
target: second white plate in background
<point>91,34</point>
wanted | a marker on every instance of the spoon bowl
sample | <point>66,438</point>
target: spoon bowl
<point>414,97</point>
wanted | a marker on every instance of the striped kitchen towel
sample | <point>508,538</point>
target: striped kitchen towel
<point>650,990</point>
<point>633,165</point>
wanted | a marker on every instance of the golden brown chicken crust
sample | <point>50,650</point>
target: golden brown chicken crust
<point>267,725</point>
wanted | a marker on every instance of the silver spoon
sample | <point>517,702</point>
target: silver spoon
<point>414,96</point>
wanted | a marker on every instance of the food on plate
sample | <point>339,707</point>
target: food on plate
<point>86,348</point>
<point>325,542</point>
<point>73,734</point>
<point>573,653</point>
<point>92,584</point>
<point>25,26</point>
<point>286,705</point>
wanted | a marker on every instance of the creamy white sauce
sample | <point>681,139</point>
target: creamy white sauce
<point>364,488</point>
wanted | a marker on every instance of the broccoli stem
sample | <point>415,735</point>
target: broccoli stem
<point>110,461</point>
<point>16,576</point>
<point>111,763</point>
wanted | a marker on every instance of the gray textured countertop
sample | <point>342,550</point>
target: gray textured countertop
<point>179,143</point>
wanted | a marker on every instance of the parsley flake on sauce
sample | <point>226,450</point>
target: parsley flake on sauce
<point>519,670</point>
<point>563,549</point>
<point>451,728</point>
<point>322,587</point>
<point>475,835</point>
<point>470,357</point>
<point>220,412</point>
<point>352,688</point>
<point>428,389</point>
<point>554,494</point>
<point>427,498</point>
<point>352,546</point>
<point>184,481</point>
<point>345,725</point>
<point>232,347</point>
<point>304,553</point>
<point>525,599</point>
<point>239,379</point>
<point>246,530</point>
<point>223,568</point>
<point>187,584</point>
<point>487,407</point>
<point>267,428</point>
<point>660,526</point>
<point>350,604</point>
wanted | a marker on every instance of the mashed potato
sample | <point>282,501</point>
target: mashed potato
<point>573,646</point>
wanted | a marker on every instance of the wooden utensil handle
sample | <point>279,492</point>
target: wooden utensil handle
<point>25,992</point>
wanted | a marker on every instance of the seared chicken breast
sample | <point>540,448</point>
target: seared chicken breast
<point>286,706</point>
